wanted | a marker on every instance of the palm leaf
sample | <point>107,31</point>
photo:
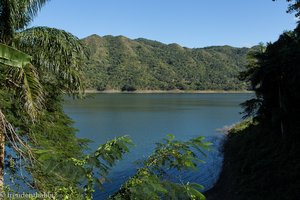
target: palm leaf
<point>16,15</point>
<point>13,57</point>
<point>28,89</point>
<point>22,74</point>
<point>55,50</point>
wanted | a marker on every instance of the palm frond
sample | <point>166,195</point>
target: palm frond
<point>13,57</point>
<point>24,77</point>
<point>28,89</point>
<point>55,50</point>
<point>16,15</point>
<point>33,7</point>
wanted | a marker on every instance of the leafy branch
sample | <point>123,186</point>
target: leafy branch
<point>95,168</point>
<point>150,183</point>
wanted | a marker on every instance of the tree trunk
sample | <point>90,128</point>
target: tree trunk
<point>2,146</point>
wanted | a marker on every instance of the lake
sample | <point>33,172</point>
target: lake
<point>148,118</point>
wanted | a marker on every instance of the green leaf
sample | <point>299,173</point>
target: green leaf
<point>171,137</point>
<point>196,186</point>
<point>13,57</point>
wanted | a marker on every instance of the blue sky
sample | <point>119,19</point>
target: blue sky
<point>190,23</point>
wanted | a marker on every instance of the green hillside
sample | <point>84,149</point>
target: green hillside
<point>124,64</point>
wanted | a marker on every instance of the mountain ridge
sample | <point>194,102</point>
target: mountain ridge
<point>117,62</point>
<point>153,40</point>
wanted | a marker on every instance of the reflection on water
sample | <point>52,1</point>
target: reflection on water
<point>147,118</point>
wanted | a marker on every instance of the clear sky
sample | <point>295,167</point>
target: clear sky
<point>190,23</point>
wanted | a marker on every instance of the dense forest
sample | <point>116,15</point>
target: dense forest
<point>123,64</point>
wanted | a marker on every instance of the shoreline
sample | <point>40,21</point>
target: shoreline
<point>93,91</point>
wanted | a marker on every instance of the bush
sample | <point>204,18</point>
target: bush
<point>128,88</point>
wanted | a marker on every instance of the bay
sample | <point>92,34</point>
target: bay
<point>148,118</point>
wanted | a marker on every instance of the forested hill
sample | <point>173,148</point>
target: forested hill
<point>124,64</point>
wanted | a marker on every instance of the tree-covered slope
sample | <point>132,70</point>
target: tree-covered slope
<point>125,64</point>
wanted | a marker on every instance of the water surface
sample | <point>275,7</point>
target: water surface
<point>148,118</point>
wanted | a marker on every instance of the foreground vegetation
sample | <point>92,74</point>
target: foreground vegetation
<point>123,64</point>
<point>261,156</point>
<point>258,165</point>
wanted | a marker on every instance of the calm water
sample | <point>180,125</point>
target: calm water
<point>148,118</point>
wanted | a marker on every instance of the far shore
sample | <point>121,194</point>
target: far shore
<point>93,91</point>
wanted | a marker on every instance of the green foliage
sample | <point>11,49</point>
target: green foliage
<point>294,6</point>
<point>92,170</point>
<point>62,163</point>
<point>261,156</point>
<point>16,15</point>
<point>240,127</point>
<point>119,63</point>
<point>22,78</point>
<point>62,166</point>
<point>55,52</point>
<point>274,76</point>
<point>258,165</point>
<point>13,57</point>
<point>102,160</point>
<point>150,181</point>
<point>128,88</point>
<point>37,65</point>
